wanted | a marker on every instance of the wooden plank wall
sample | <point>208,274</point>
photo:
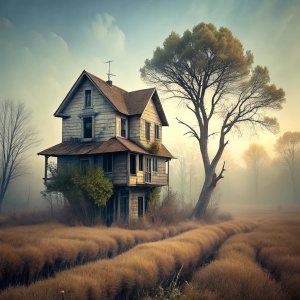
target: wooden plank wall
<point>105,121</point>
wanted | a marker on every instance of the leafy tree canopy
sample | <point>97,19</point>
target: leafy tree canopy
<point>211,73</point>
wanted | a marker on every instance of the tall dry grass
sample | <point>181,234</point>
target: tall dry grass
<point>136,271</point>
<point>262,264</point>
<point>29,253</point>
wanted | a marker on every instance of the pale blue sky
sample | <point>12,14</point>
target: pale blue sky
<point>45,45</point>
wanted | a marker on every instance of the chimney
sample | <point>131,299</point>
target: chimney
<point>109,83</point>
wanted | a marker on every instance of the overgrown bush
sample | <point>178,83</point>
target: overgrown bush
<point>86,192</point>
<point>169,210</point>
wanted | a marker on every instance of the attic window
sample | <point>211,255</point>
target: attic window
<point>88,98</point>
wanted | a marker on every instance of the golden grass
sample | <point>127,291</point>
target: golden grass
<point>262,264</point>
<point>131,273</point>
<point>27,251</point>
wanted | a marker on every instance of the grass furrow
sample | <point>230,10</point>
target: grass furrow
<point>29,253</point>
<point>132,273</point>
<point>262,264</point>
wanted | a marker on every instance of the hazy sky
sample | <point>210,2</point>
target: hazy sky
<point>45,45</point>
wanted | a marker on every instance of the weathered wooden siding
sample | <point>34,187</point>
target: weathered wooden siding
<point>160,177</point>
<point>120,169</point>
<point>134,128</point>
<point>67,161</point>
<point>105,121</point>
<point>150,115</point>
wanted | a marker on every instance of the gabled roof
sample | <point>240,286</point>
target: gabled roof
<point>115,144</point>
<point>127,103</point>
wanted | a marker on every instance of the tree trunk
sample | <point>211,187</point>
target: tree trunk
<point>1,201</point>
<point>205,195</point>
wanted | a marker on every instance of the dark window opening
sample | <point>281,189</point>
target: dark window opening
<point>123,127</point>
<point>156,131</point>
<point>154,165</point>
<point>107,162</point>
<point>141,162</point>
<point>132,164</point>
<point>140,207</point>
<point>88,98</point>
<point>88,128</point>
<point>147,124</point>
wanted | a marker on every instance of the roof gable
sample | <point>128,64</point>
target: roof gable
<point>127,103</point>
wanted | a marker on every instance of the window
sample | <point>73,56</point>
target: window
<point>107,162</point>
<point>132,164</point>
<point>154,165</point>
<point>148,170</point>
<point>141,162</point>
<point>123,127</point>
<point>147,126</point>
<point>156,131</point>
<point>88,128</point>
<point>88,98</point>
<point>84,164</point>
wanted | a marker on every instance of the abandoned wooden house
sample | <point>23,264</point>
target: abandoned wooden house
<point>121,131</point>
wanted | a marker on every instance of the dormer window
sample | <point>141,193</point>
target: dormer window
<point>123,127</point>
<point>88,98</point>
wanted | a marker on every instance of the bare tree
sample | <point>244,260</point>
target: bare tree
<point>288,147</point>
<point>209,72</point>
<point>16,138</point>
<point>255,157</point>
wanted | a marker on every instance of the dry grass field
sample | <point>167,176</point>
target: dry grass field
<point>254,257</point>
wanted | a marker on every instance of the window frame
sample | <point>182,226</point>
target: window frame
<point>83,128</point>
<point>155,164</point>
<point>141,162</point>
<point>108,164</point>
<point>84,168</point>
<point>125,127</point>
<point>85,98</point>
<point>157,131</point>
<point>148,170</point>
<point>132,160</point>
<point>147,130</point>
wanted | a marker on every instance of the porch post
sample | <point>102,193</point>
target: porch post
<point>128,168</point>
<point>168,178</point>
<point>46,169</point>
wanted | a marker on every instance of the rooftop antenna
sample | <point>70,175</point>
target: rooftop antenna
<point>109,82</point>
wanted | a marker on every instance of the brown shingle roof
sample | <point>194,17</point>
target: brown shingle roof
<point>114,94</point>
<point>137,101</point>
<point>91,148</point>
<point>127,103</point>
